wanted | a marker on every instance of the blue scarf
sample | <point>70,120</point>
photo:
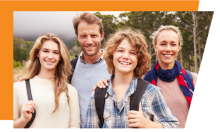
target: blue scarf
<point>184,81</point>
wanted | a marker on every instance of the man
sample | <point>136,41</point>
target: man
<point>90,67</point>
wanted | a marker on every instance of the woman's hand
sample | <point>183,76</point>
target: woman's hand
<point>101,84</point>
<point>27,110</point>
<point>137,119</point>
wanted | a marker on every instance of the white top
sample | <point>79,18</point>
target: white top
<point>43,96</point>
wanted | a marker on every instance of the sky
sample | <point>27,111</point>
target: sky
<point>31,24</point>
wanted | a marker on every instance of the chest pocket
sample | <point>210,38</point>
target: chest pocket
<point>106,114</point>
<point>107,119</point>
<point>147,109</point>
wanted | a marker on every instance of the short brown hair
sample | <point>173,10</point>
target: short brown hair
<point>89,18</point>
<point>137,40</point>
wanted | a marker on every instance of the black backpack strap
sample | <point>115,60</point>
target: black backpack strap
<point>137,95</point>
<point>67,95</point>
<point>73,64</point>
<point>99,103</point>
<point>134,101</point>
<point>28,87</point>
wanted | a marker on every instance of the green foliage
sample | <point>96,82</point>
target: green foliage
<point>75,50</point>
<point>16,64</point>
<point>21,49</point>
<point>109,23</point>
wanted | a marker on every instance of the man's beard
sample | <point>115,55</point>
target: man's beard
<point>97,47</point>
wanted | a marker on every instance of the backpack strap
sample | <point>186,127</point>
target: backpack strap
<point>73,64</point>
<point>28,87</point>
<point>100,103</point>
<point>189,74</point>
<point>137,95</point>
<point>134,100</point>
<point>67,95</point>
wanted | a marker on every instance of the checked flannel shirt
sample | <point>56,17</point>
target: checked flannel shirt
<point>153,106</point>
<point>97,61</point>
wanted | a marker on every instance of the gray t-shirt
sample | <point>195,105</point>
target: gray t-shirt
<point>84,79</point>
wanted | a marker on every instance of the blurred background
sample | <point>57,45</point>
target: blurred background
<point>194,26</point>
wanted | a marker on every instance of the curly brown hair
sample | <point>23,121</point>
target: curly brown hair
<point>137,40</point>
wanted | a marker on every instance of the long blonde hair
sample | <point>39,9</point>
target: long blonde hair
<point>63,69</point>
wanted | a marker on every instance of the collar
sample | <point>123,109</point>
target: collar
<point>129,91</point>
<point>97,61</point>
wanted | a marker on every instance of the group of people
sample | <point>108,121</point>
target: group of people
<point>60,103</point>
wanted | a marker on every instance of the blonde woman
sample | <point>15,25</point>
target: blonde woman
<point>177,84</point>
<point>127,59</point>
<point>55,101</point>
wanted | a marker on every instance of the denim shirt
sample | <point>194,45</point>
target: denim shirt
<point>153,106</point>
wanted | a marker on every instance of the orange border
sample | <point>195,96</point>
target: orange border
<point>6,32</point>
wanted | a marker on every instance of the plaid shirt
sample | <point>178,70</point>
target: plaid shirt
<point>97,61</point>
<point>153,106</point>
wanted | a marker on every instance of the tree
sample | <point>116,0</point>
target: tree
<point>144,21</point>
<point>109,23</point>
<point>204,26</point>
<point>197,24</point>
<point>21,49</point>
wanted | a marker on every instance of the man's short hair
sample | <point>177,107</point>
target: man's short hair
<point>89,18</point>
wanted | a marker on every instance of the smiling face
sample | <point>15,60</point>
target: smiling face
<point>89,38</point>
<point>167,48</point>
<point>49,56</point>
<point>125,58</point>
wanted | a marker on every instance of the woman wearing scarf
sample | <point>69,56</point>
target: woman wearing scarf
<point>175,82</point>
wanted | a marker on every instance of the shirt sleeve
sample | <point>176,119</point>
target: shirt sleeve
<point>162,112</point>
<point>74,108</point>
<point>92,120</point>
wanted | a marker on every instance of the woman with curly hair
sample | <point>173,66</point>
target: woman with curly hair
<point>127,59</point>
<point>55,101</point>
